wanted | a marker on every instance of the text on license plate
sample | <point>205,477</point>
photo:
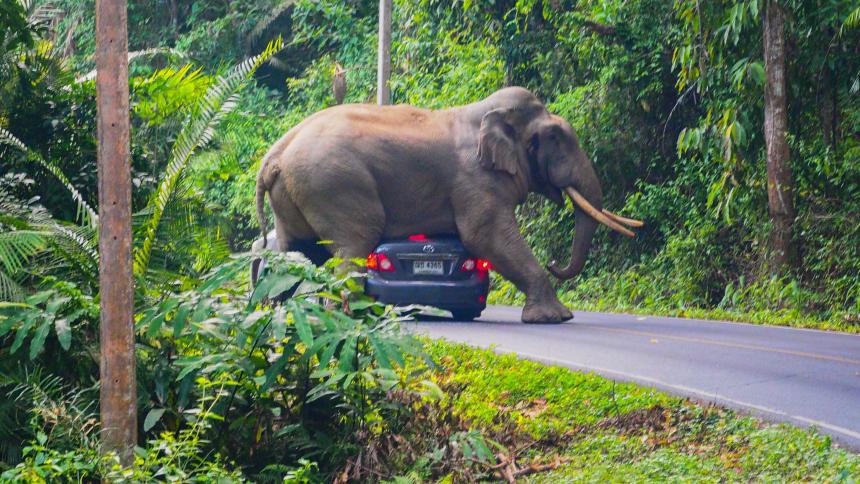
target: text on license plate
<point>434,267</point>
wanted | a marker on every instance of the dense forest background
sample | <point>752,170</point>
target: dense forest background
<point>668,99</point>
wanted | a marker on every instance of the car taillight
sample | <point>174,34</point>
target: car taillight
<point>471,264</point>
<point>418,238</point>
<point>379,262</point>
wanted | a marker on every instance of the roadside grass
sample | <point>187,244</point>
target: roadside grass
<point>598,430</point>
<point>503,292</point>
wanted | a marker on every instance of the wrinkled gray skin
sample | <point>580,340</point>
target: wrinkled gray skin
<point>354,174</point>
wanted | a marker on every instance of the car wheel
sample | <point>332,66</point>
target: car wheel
<point>465,314</point>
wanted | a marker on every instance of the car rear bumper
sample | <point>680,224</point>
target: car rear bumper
<point>469,294</point>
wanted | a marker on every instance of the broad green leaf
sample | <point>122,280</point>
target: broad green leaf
<point>277,367</point>
<point>380,352</point>
<point>347,354</point>
<point>307,288</point>
<point>349,378</point>
<point>22,333</point>
<point>432,390</point>
<point>180,319</point>
<point>152,418</point>
<point>282,283</point>
<point>364,304</point>
<point>278,325</point>
<point>154,326</point>
<point>64,333</point>
<point>757,73</point>
<point>328,353</point>
<point>252,318</point>
<point>306,334</point>
<point>55,304</point>
<point>40,297</point>
<point>38,342</point>
<point>320,343</point>
<point>262,290</point>
<point>202,311</point>
<point>8,322</point>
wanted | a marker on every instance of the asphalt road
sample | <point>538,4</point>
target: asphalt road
<point>805,377</point>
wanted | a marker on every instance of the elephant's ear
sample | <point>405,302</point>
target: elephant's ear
<point>497,145</point>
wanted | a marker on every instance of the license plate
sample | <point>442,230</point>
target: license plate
<point>430,267</point>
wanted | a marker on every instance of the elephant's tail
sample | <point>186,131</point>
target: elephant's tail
<point>261,202</point>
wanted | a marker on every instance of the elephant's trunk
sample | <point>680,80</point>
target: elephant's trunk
<point>585,227</point>
<point>586,224</point>
<point>588,214</point>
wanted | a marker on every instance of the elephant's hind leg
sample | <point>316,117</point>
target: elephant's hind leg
<point>349,229</point>
<point>312,249</point>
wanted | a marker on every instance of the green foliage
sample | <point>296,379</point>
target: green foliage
<point>294,378</point>
<point>218,100</point>
<point>610,431</point>
<point>86,214</point>
<point>53,311</point>
<point>666,100</point>
<point>169,91</point>
<point>499,390</point>
<point>169,457</point>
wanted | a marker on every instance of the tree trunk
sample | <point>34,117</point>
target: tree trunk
<point>779,178</point>
<point>174,19</point>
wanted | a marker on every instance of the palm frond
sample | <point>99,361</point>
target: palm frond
<point>266,21</point>
<point>36,396</point>
<point>85,214</point>
<point>75,249</point>
<point>219,100</point>
<point>137,54</point>
<point>34,243</point>
<point>17,246</point>
<point>852,21</point>
<point>10,290</point>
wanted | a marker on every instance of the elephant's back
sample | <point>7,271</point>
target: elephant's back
<point>382,140</point>
<point>395,155</point>
<point>367,121</point>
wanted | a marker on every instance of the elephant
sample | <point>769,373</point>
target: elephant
<point>355,174</point>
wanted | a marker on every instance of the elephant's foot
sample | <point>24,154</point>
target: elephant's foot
<point>546,312</point>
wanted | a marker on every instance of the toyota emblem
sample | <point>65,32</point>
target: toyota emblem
<point>429,249</point>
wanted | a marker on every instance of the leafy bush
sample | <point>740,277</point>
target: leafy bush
<point>295,379</point>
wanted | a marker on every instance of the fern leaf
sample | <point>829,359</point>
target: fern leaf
<point>133,55</point>
<point>10,290</point>
<point>851,21</point>
<point>86,214</point>
<point>219,100</point>
<point>17,246</point>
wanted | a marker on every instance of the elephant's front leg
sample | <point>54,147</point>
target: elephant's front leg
<point>499,240</point>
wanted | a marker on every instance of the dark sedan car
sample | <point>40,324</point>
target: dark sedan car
<point>433,271</point>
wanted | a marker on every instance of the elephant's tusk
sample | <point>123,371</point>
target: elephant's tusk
<point>579,200</point>
<point>630,222</point>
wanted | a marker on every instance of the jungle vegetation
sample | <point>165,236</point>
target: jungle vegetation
<point>673,101</point>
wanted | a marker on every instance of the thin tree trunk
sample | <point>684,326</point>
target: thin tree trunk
<point>174,18</point>
<point>780,187</point>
